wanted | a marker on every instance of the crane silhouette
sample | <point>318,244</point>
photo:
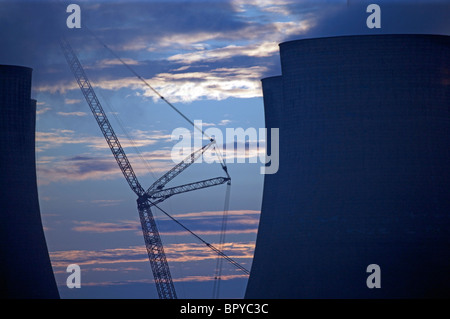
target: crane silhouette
<point>157,192</point>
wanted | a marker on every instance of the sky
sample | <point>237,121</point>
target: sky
<point>207,58</point>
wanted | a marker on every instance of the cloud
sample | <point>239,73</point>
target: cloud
<point>136,254</point>
<point>171,22</point>
<point>214,33</point>
<point>69,170</point>
<point>71,101</point>
<point>106,202</point>
<point>208,223</point>
<point>221,123</point>
<point>56,138</point>
<point>263,49</point>
<point>183,41</point>
<point>72,113</point>
<point>53,87</point>
<point>99,164</point>
<point>244,5</point>
<point>123,269</point>
<point>211,232</point>
<point>175,253</point>
<point>224,122</point>
<point>208,278</point>
<point>135,259</point>
<point>250,151</point>
<point>102,227</point>
<point>204,278</point>
<point>28,31</point>
<point>216,84</point>
<point>107,63</point>
<point>101,167</point>
<point>133,254</point>
<point>226,50</point>
<point>206,214</point>
<point>45,159</point>
<point>188,252</point>
<point>186,87</point>
<point>238,222</point>
<point>43,110</point>
<point>73,169</point>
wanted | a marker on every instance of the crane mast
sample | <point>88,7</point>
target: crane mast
<point>156,193</point>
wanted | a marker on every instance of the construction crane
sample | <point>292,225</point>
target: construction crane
<point>156,193</point>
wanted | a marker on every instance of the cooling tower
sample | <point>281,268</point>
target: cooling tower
<point>26,271</point>
<point>364,173</point>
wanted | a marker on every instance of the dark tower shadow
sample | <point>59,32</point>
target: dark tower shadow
<point>25,270</point>
<point>364,174</point>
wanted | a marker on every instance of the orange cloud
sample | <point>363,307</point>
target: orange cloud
<point>184,252</point>
<point>100,227</point>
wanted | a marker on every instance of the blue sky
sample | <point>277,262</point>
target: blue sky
<point>206,57</point>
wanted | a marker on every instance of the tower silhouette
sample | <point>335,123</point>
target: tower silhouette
<point>364,170</point>
<point>25,270</point>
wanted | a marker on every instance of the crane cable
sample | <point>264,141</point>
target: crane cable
<point>212,247</point>
<point>218,272</point>
<point>124,130</point>
<point>222,161</point>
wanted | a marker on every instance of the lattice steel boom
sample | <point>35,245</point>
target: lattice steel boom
<point>177,169</point>
<point>156,193</point>
<point>168,192</point>
<point>101,118</point>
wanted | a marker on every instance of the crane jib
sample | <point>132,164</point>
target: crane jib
<point>101,118</point>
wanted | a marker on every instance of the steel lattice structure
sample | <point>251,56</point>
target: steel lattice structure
<point>155,194</point>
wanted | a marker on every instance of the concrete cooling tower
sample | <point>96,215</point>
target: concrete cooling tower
<point>364,173</point>
<point>25,270</point>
